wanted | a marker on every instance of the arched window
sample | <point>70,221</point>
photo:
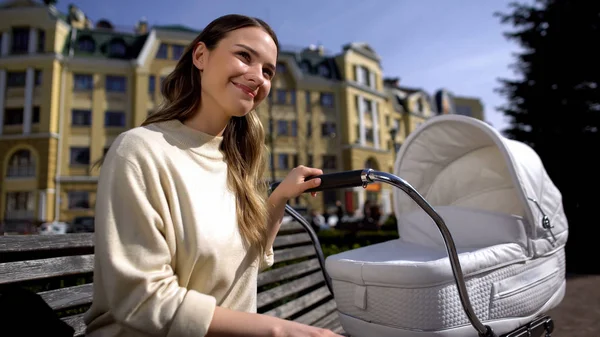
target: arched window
<point>21,164</point>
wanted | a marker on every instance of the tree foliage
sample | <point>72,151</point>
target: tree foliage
<point>553,104</point>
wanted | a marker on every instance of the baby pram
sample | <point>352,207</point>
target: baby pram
<point>496,268</point>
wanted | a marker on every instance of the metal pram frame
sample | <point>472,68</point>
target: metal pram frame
<point>541,326</point>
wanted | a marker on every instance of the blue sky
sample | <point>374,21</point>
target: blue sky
<point>429,44</point>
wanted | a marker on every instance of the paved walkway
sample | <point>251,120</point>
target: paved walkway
<point>579,313</point>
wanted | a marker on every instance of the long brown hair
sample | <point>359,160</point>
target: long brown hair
<point>243,139</point>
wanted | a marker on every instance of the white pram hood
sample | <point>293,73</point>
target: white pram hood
<point>459,161</point>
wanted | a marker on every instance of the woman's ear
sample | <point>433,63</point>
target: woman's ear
<point>199,55</point>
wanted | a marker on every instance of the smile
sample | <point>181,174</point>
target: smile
<point>245,89</point>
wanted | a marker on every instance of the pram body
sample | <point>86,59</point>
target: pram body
<point>505,217</point>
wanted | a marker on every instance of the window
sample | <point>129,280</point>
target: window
<point>308,128</point>
<point>151,84</point>
<point>177,51</point>
<point>38,78</point>
<point>282,162</point>
<point>327,100</point>
<point>420,105</point>
<point>116,83</point>
<point>369,134</point>
<point>79,199</point>
<point>13,116</point>
<point>41,41</point>
<point>280,68</point>
<point>293,97</point>
<point>83,82</point>
<point>282,128</point>
<point>328,129</point>
<point>117,48</point>
<point>86,44</point>
<point>81,117</point>
<point>15,79</point>
<point>464,110</point>
<point>324,70</point>
<point>162,51</point>
<point>305,66</point>
<point>329,162</point>
<point>80,155</point>
<point>294,127</point>
<point>309,159</point>
<point>281,96</point>
<point>20,41</point>
<point>35,115</point>
<point>308,102</point>
<point>114,119</point>
<point>19,205</point>
<point>21,164</point>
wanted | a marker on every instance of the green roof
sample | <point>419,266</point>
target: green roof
<point>106,43</point>
<point>178,28</point>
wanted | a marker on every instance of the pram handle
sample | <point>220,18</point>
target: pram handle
<point>331,181</point>
<point>367,176</point>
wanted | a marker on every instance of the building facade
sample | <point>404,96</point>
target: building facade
<point>69,87</point>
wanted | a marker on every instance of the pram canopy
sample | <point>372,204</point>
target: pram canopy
<point>465,165</point>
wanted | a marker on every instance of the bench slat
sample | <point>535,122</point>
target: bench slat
<point>292,239</point>
<point>314,315</point>
<point>12,272</point>
<point>277,293</point>
<point>284,273</point>
<point>69,297</point>
<point>328,322</point>
<point>288,254</point>
<point>299,304</point>
<point>291,226</point>
<point>76,321</point>
<point>29,243</point>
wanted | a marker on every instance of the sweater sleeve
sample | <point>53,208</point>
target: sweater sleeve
<point>134,259</point>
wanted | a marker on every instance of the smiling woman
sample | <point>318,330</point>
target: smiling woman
<point>183,223</point>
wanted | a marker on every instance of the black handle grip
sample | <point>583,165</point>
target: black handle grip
<point>331,181</point>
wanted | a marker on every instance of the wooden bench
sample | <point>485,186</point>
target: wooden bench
<point>59,268</point>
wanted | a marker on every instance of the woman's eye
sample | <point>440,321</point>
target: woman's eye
<point>268,73</point>
<point>245,55</point>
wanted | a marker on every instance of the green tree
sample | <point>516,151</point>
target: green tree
<point>554,106</point>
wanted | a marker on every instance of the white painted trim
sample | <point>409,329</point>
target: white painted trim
<point>365,148</point>
<point>87,63</point>
<point>42,205</point>
<point>6,36</point>
<point>77,179</point>
<point>29,136</point>
<point>148,46</point>
<point>32,46</point>
<point>59,145</point>
<point>2,93</point>
<point>28,105</point>
<point>362,136</point>
<point>29,58</point>
<point>376,124</point>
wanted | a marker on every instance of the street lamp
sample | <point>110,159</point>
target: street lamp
<point>393,133</point>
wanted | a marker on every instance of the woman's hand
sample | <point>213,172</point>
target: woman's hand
<point>294,184</point>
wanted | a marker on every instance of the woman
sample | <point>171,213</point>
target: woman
<point>182,224</point>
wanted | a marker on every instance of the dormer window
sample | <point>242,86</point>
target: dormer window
<point>86,44</point>
<point>117,48</point>
<point>280,68</point>
<point>324,70</point>
<point>305,67</point>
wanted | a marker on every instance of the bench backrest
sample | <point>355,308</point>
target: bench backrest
<point>60,267</point>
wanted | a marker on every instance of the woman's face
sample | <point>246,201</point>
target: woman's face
<point>236,75</point>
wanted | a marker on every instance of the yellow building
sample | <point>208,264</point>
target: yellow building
<point>68,87</point>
